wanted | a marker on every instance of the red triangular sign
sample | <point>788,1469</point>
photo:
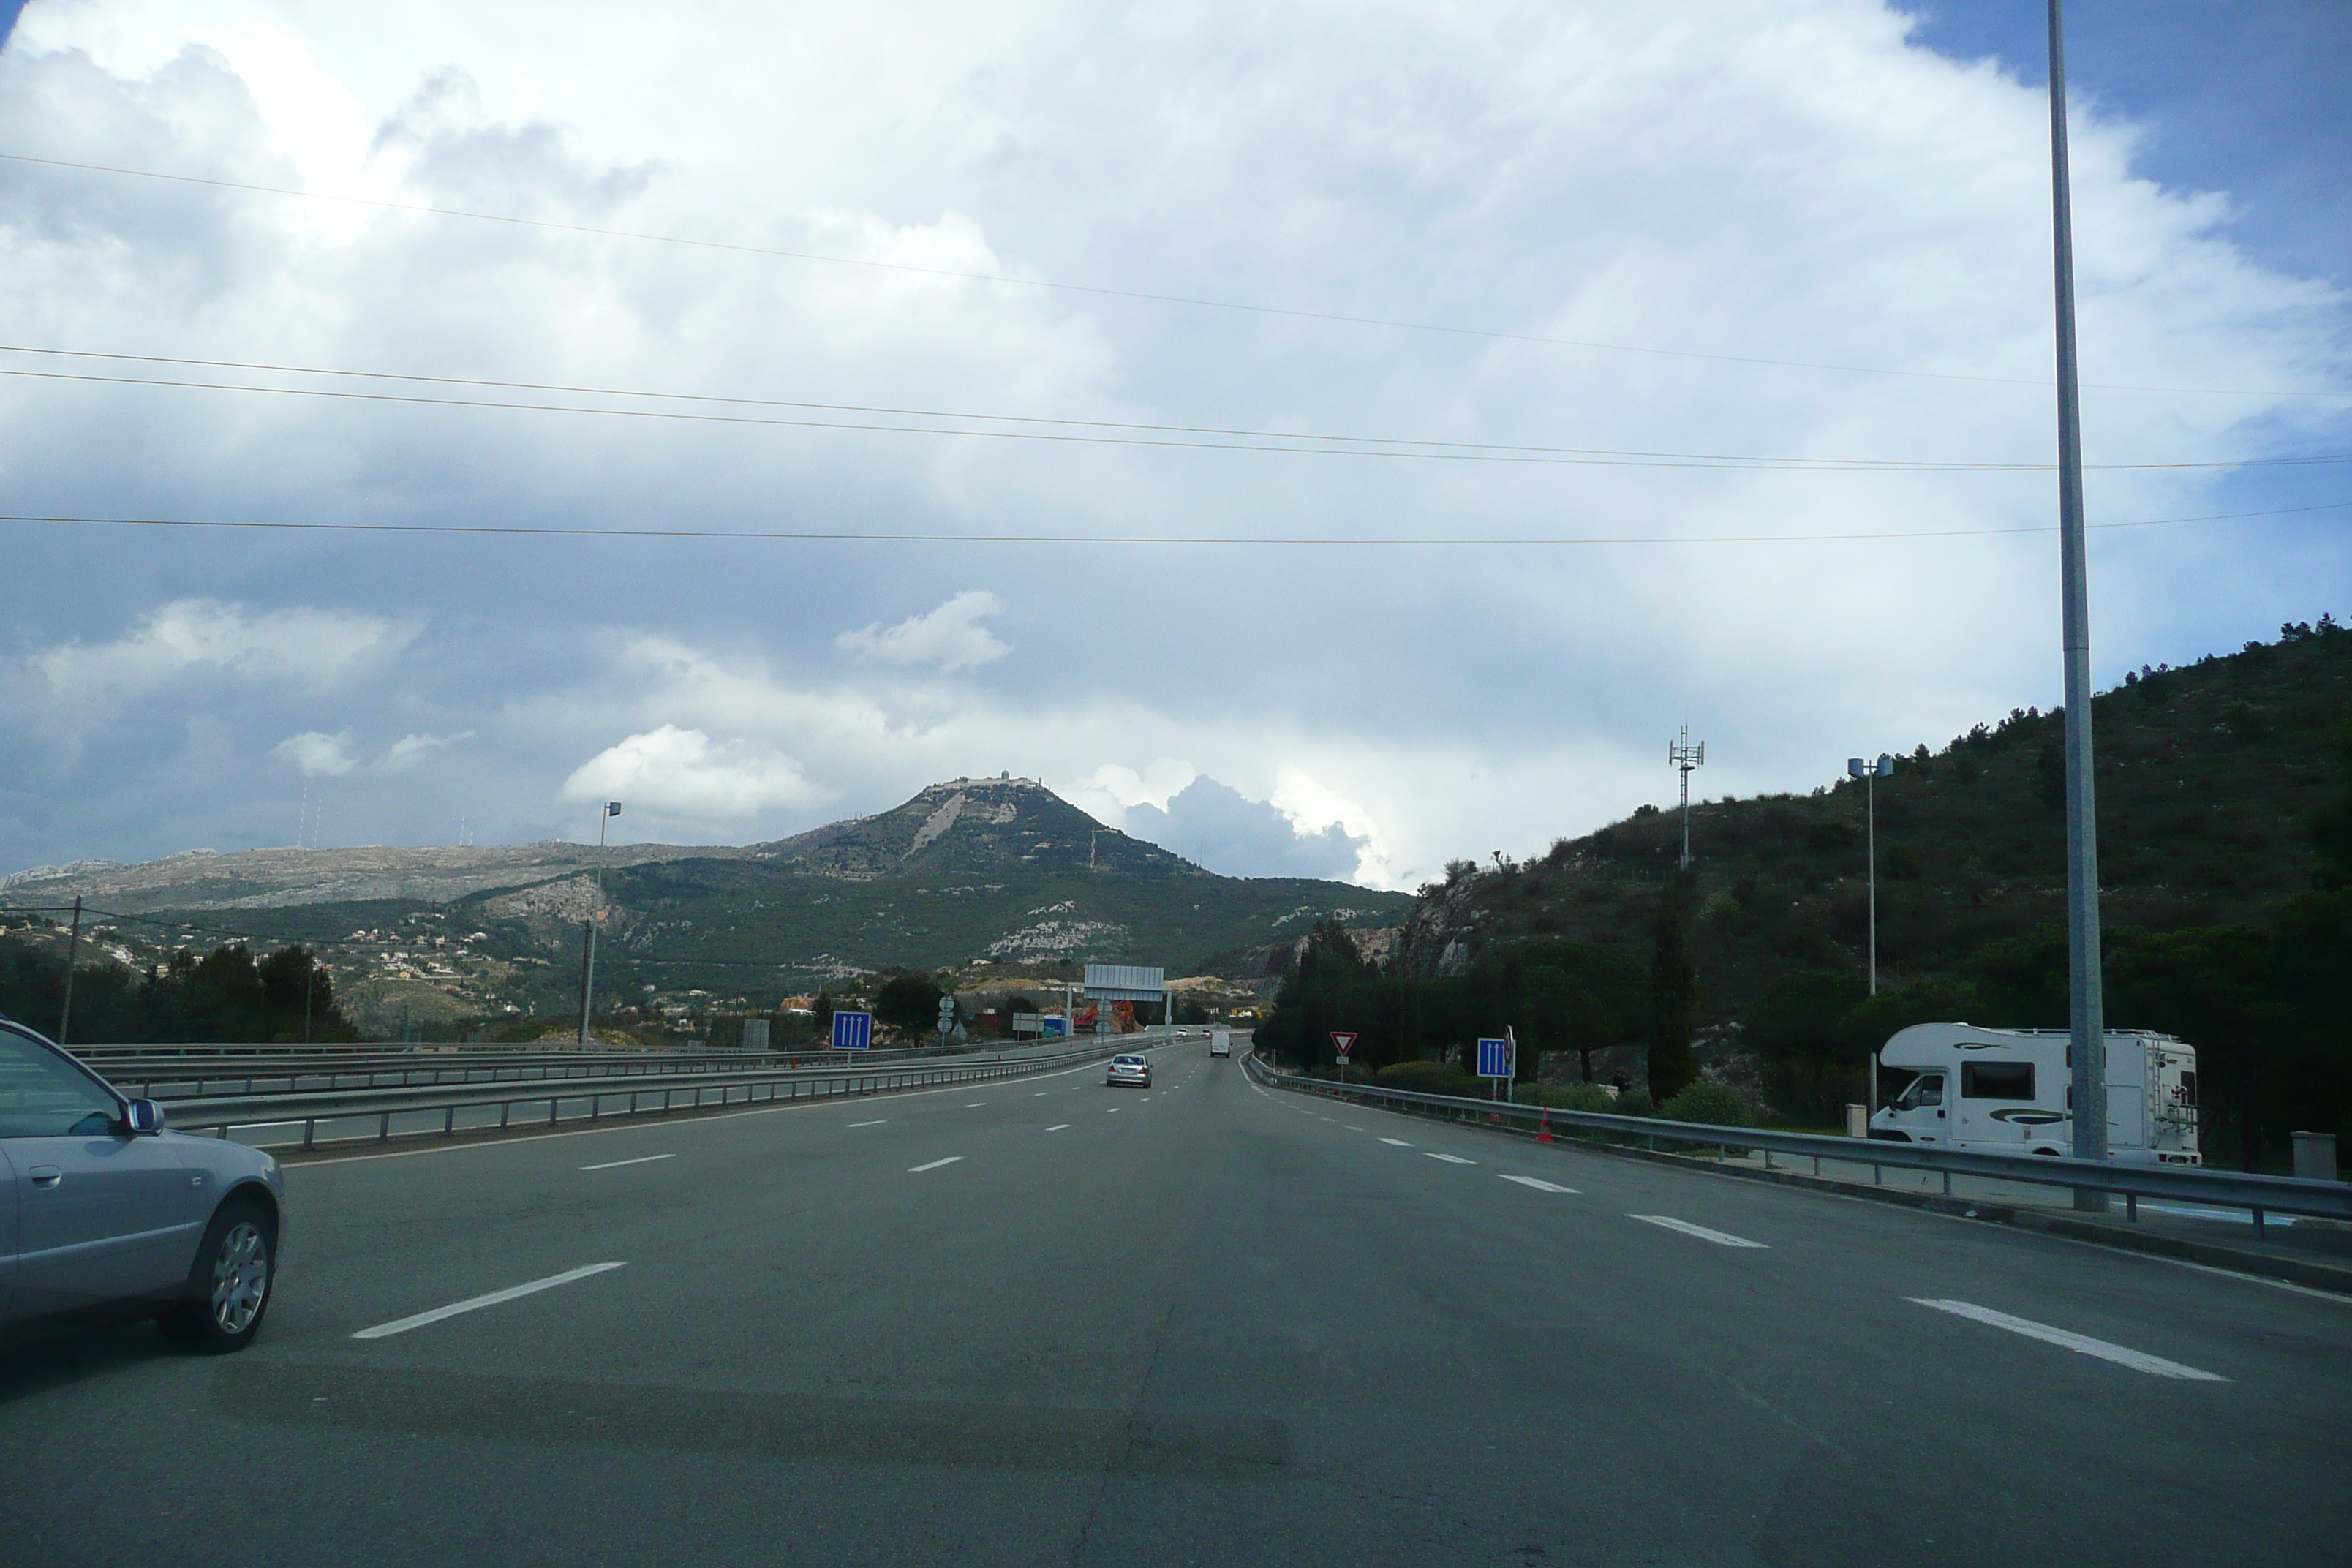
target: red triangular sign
<point>1341,1041</point>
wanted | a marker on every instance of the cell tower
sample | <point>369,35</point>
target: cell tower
<point>1684,757</point>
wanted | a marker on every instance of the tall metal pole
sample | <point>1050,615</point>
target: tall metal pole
<point>2086,1005</point>
<point>73,959</point>
<point>1870,817</point>
<point>588,944</point>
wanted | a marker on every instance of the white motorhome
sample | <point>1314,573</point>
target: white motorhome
<point>2012,1092</point>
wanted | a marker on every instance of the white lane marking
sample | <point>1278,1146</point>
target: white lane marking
<point>1040,1094</point>
<point>919,1170</point>
<point>2138,1360</point>
<point>1057,1127</point>
<point>1398,1142</point>
<point>640,1160</point>
<point>1114,1110</point>
<point>975,1105</point>
<point>1541,1186</point>
<point>1449,1159</point>
<point>1721,1238</point>
<point>475,1303</point>
<point>1354,1129</point>
<point>875,1122</point>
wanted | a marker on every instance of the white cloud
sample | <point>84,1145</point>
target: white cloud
<point>410,750</point>
<point>318,755</point>
<point>950,637</point>
<point>682,775</point>
<point>312,646</point>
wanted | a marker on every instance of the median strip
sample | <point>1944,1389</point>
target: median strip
<point>475,1303</point>
<point>2138,1360</point>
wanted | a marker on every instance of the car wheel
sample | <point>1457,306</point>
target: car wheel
<point>228,1288</point>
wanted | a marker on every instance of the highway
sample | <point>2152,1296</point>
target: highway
<point>1045,1322</point>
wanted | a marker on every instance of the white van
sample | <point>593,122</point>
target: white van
<point>1221,1044</point>
<point>2012,1092</point>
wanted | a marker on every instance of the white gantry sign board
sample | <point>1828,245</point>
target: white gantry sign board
<point>1126,983</point>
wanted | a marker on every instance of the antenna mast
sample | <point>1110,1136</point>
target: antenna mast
<point>1684,757</point>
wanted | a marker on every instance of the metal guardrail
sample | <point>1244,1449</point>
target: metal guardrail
<point>2258,1195</point>
<point>589,1100</point>
<point>173,1082</point>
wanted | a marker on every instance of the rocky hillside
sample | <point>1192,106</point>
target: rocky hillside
<point>2208,778</point>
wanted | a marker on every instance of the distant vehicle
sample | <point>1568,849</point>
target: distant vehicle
<point>2012,1092</point>
<point>1127,1068</point>
<point>1221,1044</point>
<point>116,1217</point>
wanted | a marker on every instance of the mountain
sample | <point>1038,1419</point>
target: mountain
<point>2209,778</point>
<point>972,873</point>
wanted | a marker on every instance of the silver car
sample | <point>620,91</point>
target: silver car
<point>1127,1068</point>
<point>104,1213</point>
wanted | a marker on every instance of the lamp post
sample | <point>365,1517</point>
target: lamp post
<point>588,936</point>
<point>1870,773</point>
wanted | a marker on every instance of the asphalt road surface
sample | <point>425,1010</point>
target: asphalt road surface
<point>1045,1322</point>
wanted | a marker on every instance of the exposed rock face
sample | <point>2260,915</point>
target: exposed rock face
<point>969,827</point>
<point>1440,936</point>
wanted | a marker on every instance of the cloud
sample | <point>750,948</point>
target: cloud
<point>683,775</point>
<point>950,637</point>
<point>318,755</point>
<point>1217,826</point>
<point>410,750</point>
<point>312,646</point>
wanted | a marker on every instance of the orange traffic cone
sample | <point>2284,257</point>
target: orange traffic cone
<point>1543,1133</point>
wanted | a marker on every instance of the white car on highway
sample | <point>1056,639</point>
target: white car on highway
<point>103,1214</point>
<point>1126,1068</point>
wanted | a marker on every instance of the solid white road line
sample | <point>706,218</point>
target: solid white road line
<point>475,1303</point>
<point>2138,1360</point>
<point>1721,1238</point>
<point>919,1170</point>
<point>640,1160</point>
<point>1057,1127</point>
<point>1398,1142</point>
<point>1449,1159</point>
<point>875,1122</point>
<point>1541,1186</point>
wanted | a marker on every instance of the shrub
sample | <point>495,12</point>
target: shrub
<point>1713,1104</point>
<point>1634,1102</point>
<point>1429,1077</point>
<point>1564,1096</point>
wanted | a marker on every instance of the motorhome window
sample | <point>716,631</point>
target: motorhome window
<point>1996,1081</point>
<point>1926,1089</point>
<point>2189,1087</point>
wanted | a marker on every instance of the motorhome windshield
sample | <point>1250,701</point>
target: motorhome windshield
<point>1927,1089</point>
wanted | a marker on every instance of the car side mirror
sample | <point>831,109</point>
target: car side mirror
<point>144,1117</point>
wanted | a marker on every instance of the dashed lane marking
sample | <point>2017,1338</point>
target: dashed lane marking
<point>2138,1360</point>
<point>919,1170</point>
<point>640,1160</point>
<point>1721,1238</point>
<point>1057,1127</point>
<point>1449,1159</point>
<point>475,1303</point>
<point>1398,1142</point>
<point>1538,1185</point>
<point>875,1122</point>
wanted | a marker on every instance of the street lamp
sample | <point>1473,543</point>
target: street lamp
<point>1870,773</point>
<point>588,940</point>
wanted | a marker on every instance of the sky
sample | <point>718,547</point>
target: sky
<point>1683,365</point>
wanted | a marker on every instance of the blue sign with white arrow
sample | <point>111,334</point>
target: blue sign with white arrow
<point>853,1031</point>
<point>1495,1057</point>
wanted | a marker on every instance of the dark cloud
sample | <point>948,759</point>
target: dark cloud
<point>1225,830</point>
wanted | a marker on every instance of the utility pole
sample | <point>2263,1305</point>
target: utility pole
<point>73,958</point>
<point>1684,757</point>
<point>2086,1007</point>
<point>588,940</point>
<point>1870,773</point>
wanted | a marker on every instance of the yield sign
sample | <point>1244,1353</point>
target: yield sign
<point>1340,1041</point>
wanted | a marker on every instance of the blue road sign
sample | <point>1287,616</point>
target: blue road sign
<point>1493,1057</point>
<point>853,1031</point>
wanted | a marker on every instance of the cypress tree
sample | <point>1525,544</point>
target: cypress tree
<point>1674,997</point>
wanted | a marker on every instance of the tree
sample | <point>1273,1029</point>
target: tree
<point>1798,1030</point>
<point>1674,999</point>
<point>1012,1005</point>
<point>909,1003</point>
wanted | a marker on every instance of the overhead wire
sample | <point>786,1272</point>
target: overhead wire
<point>554,226</point>
<point>1261,541</point>
<point>1084,432</point>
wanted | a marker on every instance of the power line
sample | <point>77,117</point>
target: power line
<point>810,536</point>
<point>1259,441</point>
<point>424,209</point>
